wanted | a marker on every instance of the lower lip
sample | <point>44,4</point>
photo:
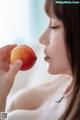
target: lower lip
<point>47,58</point>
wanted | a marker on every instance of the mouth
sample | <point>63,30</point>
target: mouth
<point>47,58</point>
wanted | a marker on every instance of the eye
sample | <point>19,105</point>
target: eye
<point>54,27</point>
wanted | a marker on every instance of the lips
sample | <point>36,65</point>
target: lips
<point>46,55</point>
<point>46,58</point>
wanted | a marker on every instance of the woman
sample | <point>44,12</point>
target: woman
<point>62,46</point>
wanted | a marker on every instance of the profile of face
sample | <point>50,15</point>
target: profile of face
<point>55,52</point>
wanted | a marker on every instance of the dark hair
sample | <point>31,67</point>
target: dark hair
<point>70,15</point>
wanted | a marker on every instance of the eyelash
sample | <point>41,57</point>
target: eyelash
<point>54,27</point>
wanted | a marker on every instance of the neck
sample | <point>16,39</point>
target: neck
<point>69,72</point>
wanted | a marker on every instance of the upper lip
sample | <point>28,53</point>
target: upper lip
<point>47,57</point>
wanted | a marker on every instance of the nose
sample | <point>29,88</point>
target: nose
<point>44,39</point>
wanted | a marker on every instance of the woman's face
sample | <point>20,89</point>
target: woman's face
<point>55,51</point>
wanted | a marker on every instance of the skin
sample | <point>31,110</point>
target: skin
<point>7,74</point>
<point>53,40</point>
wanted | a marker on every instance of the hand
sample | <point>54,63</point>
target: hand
<point>7,73</point>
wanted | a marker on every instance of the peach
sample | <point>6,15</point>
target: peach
<point>26,54</point>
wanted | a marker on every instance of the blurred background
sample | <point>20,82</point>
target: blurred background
<point>22,22</point>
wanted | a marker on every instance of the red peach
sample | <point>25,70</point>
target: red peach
<point>26,54</point>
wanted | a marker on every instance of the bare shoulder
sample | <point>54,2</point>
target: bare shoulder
<point>29,99</point>
<point>33,98</point>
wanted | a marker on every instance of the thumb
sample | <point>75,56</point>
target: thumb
<point>15,68</point>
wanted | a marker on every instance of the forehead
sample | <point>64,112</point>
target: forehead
<point>53,10</point>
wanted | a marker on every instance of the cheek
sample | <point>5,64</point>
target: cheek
<point>56,45</point>
<point>59,49</point>
<point>58,41</point>
<point>58,53</point>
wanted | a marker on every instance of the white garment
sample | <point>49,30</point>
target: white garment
<point>51,109</point>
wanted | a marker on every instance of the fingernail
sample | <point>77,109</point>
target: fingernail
<point>19,61</point>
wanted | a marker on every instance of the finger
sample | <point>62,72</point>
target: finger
<point>14,69</point>
<point>7,48</point>
<point>5,64</point>
<point>4,51</point>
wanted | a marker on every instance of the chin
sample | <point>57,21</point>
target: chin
<point>54,72</point>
